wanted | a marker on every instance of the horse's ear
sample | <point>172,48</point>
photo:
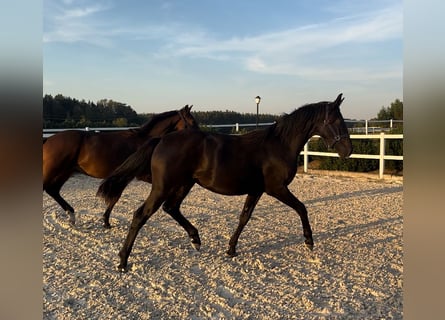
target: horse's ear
<point>187,108</point>
<point>339,100</point>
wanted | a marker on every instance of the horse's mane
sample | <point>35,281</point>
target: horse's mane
<point>148,126</point>
<point>299,120</point>
<point>286,127</point>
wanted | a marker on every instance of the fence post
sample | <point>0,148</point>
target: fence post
<point>366,126</point>
<point>237,127</point>
<point>382,155</point>
<point>305,156</point>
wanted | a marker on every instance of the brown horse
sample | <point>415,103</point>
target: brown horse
<point>98,154</point>
<point>263,160</point>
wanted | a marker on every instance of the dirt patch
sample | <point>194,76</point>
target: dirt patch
<point>354,272</point>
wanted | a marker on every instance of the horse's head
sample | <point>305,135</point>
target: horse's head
<point>166,122</point>
<point>333,129</point>
<point>186,120</point>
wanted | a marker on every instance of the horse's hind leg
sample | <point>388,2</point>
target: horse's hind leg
<point>106,216</point>
<point>171,206</point>
<point>246,213</point>
<point>111,203</point>
<point>140,217</point>
<point>54,192</point>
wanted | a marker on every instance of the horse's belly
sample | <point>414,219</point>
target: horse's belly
<point>228,184</point>
<point>224,190</point>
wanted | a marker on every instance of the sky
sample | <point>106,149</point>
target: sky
<point>160,55</point>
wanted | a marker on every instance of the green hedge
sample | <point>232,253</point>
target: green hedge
<point>360,146</point>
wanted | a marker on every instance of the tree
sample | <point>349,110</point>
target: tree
<point>66,112</point>
<point>395,111</point>
<point>120,122</point>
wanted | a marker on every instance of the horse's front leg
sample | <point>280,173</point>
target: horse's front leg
<point>172,205</point>
<point>246,213</point>
<point>284,195</point>
<point>191,230</point>
<point>54,192</point>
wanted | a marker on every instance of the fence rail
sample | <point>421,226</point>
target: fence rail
<point>381,156</point>
<point>49,132</point>
<point>382,136</point>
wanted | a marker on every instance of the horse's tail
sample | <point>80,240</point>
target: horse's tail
<point>137,164</point>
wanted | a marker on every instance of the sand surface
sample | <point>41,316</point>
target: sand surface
<point>354,272</point>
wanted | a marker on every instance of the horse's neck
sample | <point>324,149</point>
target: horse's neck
<point>296,145</point>
<point>157,129</point>
<point>295,140</point>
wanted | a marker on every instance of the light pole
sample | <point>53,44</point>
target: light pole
<point>257,101</point>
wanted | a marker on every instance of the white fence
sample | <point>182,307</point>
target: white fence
<point>49,132</point>
<point>382,136</point>
<point>359,127</point>
<point>381,156</point>
<point>372,126</point>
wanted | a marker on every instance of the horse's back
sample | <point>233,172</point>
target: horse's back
<point>217,162</point>
<point>62,143</point>
<point>101,153</point>
<point>184,144</point>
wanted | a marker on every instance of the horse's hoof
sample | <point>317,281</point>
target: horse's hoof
<point>107,226</point>
<point>72,218</point>
<point>196,245</point>
<point>122,269</point>
<point>231,253</point>
<point>310,246</point>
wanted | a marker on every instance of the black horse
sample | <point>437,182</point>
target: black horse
<point>98,154</point>
<point>263,160</point>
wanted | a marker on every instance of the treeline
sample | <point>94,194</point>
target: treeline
<point>65,112</point>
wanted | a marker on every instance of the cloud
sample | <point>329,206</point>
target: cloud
<point>81,12</point>
<point>291,51</point>
<point>373,27</point>
<point>69,22</point>
<point>288,51</point>
<point>255,63</point>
